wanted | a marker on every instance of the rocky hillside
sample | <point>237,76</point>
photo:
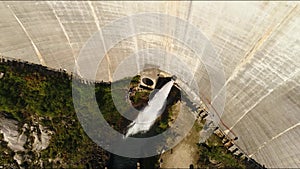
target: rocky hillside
<point>38,124</point>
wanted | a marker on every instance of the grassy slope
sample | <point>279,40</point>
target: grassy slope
<point>29,92</point>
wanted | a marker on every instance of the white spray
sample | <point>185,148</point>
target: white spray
<point>151,112</point>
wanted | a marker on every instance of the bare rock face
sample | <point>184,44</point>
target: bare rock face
<point>18,158</point>
<point>1,75</point>
<point>9,129</point>
<point>17,139</point>
<point>42,142</point>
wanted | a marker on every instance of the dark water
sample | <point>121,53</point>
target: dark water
<point>119,162</point>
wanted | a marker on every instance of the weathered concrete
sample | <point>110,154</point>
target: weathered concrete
<point>259,44</point>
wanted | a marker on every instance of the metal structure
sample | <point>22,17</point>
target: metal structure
<point>258,42</point>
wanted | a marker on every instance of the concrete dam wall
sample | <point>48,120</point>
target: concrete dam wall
<point>258,44</point>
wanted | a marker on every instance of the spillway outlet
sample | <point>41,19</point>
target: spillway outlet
<point>174,77</point>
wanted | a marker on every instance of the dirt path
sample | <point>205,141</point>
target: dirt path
<point>183,154</point>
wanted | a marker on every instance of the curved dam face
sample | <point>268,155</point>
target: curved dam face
<point>258,44</point>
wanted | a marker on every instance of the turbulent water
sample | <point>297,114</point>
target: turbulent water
<point>148,115</point>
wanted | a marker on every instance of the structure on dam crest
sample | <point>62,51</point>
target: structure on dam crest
<point>258,43</point>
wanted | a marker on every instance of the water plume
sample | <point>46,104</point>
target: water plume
<point>151,112</point>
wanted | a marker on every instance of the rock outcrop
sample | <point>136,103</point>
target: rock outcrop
<point>18,138</point>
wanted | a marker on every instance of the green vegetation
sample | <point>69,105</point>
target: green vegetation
<point>135,80</point>
<point>169,114</point>
<point>6,154</point>
<point>31,91</point>
<point>108,109</point>
<point>214,154</point>
<point>139,99</point>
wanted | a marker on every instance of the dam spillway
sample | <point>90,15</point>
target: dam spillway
<point>151,112</point>
<point>257,42</point>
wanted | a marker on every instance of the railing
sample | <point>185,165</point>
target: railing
<point>71,75</point>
